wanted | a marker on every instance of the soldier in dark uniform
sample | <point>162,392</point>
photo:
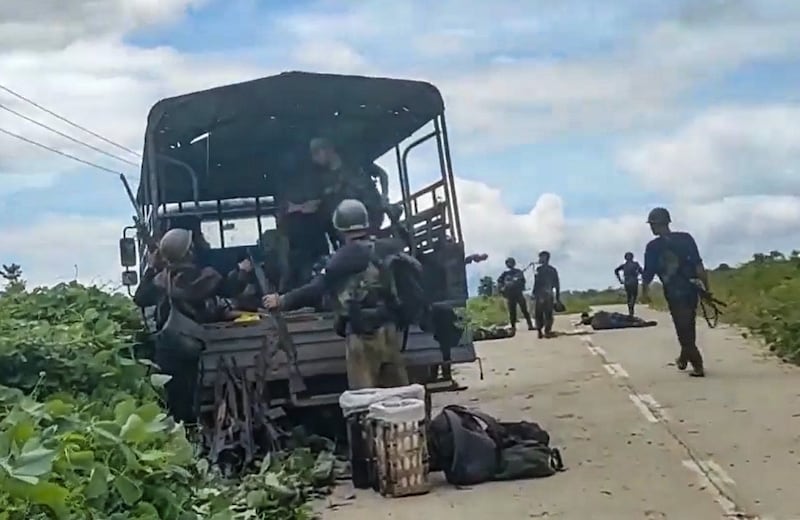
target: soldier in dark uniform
<point>674,257</point>
<point>512,286</point>
<point>630,280</point>
<point>363,302</point>
<point>343,180</point>
<point>545,284</point>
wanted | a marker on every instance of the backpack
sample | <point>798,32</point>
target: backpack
<point>472,447</point>
<point>396,280</point>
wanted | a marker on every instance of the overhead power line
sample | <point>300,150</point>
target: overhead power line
<point>68,121</point>
<point>66,136</point>
<point>59,152</point>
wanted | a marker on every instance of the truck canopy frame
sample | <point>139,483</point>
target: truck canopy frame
<point>237,140</point>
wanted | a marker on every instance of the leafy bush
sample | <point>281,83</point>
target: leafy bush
<point>761,295</point>
<point>83,434</point>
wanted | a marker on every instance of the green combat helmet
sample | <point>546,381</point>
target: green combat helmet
<point>351,215</point>
<point>175,245</point>
<point>659,216</point>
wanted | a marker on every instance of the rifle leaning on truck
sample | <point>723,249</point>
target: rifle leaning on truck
<point>138,220</point>
<point>286,343</point>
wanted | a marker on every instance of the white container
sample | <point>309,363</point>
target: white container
<point>400,447</point>
<point>358,401</point>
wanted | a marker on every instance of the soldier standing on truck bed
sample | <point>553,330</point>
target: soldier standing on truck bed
<point>512,286</point>
<point>346,181</point>
<point>630,280</point>
<point>674,257</point>
<point>364,299</point>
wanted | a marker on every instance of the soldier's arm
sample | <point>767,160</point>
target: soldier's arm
<point>383,179</point>
<point>617,271</point>
<point>650,266</point>
<point>147,293</point>
<point>694,256</point>
<point>557,284</point>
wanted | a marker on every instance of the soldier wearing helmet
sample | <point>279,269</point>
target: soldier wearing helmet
<point>180,286</point>
<point>512,286</point>
<point>631,270</point>
<point>546,295</point>
<point>674,257</point>
<point>362,297</point>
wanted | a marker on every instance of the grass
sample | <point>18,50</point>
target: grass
<point>762,296</point>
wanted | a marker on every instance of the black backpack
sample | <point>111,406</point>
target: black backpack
<point>472,447</point>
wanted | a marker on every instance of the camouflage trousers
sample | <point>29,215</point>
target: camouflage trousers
<point>374,360</point>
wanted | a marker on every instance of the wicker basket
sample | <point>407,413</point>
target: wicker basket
<point>400,447</point>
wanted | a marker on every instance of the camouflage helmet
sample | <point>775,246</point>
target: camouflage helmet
<point>175,245</point>
<point>351,215</point>
<point>510,261</point>
<point>659,216</point>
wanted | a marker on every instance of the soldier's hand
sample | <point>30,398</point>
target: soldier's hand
<point>271,301</point>
<point>246,265</point>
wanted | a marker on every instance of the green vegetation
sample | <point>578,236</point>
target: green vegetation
<point>83,434</point>
<point>762,296</point>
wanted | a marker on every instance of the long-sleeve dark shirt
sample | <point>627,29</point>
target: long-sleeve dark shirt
<point>512,281</point>
<point>348,260</point>
<point>630,272</point>
<point>546,281</point>
<point>674,257</point>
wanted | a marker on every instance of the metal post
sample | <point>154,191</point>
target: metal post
<point>448,191</point>
<point>449,161</point>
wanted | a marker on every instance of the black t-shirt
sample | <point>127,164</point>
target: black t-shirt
<point>674,258</point>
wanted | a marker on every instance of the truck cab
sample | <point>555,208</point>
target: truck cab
<point>225,156</point>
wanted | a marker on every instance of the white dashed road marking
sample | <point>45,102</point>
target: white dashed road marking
<point>642,407</point>
<point>713,478</point>
<point>616,370</point>
<point>654,406</point>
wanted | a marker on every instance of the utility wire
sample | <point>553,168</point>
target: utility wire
<point>66,136</point>
<point>69,122</point>
<point>59,152</point>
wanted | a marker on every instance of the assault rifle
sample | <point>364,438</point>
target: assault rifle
<point>296,383</point>
<point>710,306</point>
<point>138,219</point>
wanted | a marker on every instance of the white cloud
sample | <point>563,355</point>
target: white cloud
<point>723,152</point>
<point>55,248</point>
<point>587,250</point>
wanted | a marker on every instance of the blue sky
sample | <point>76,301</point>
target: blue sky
<point>568,119</point>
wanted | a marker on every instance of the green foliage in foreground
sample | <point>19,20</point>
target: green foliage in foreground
<point>83,434</point>
<point>762,296</point>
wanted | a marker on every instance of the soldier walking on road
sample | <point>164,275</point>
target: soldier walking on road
<point>545,285</point>
<point>630,280</point>
<point>512,286</point>
<point>365,304</point>
<point>674,257</point>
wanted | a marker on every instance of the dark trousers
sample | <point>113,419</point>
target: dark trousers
<point>544,312</point>
<point>684,317</point>
<point>631,294</point>
<point>181,391</point>
<point>513,300</point>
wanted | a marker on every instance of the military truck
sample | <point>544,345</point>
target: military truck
<point>225,155</point>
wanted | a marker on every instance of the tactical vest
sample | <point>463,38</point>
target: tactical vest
<point>369,290</point>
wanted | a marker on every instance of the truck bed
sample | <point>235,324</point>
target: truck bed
<point>320,353</point>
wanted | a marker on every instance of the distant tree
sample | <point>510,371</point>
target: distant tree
<point>759,258</point>
<point>723,267</point>
<point>794,254</point>
<point>13,275</point>
<point>487,286</point>
<point>776,255</point>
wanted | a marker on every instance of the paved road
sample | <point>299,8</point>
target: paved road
<point>642,441</point>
